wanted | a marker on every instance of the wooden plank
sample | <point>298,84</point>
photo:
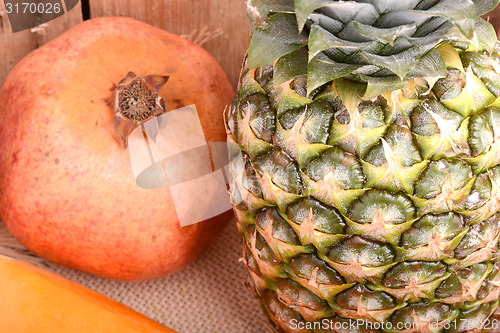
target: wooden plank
<point>220,26</point>
<point>14,46</point>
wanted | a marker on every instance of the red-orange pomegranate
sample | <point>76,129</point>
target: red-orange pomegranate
<point>67,191</point>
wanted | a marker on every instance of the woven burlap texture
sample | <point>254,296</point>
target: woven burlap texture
<point>208,296</point>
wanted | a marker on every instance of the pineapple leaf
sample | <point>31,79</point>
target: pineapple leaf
<point>320,39</point>
<point>379,85</point>
<point>279,38</point>
<point>290,66</point>
<point>385,35</point>
<point>384,6</point>
<point>258,10</point>
<point>484,6</point>
<point>332,25</point>
<point>400,64</point>
<point>304,8</point>
<point>403,17</point>
<point>375,38</point>
<point>486,35</point>
<point>460,12</point>
<point>350,93</point>
<point>349,11</point>
<point>451,57</point>
<point>432,64</point>
<point>435,31</point>
<point>321,69</point>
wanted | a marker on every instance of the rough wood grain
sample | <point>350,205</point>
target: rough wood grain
<point>14,46</point>
<point>220,26</point>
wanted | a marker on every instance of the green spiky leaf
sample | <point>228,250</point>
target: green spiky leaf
<point>460,12</point>
<point>400,64</point>
<point>304,8</point>
<point>430,65</point>
<point>279,38</point>
<point>451,57</point>
<point>486,35</point>
<point>379,85</point>
<point>260,9</point>
<point>290,66</point>
<point>322,69</point>
<point>484,6</point>
<point>387,35</point>
<point>320,39</point>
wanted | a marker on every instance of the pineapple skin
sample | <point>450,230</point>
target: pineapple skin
<point>374,212</point>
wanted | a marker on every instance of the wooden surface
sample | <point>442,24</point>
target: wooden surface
<point>14,46</point>
<point>220,26</point>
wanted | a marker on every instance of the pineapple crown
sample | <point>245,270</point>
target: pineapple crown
<point>379,43</point>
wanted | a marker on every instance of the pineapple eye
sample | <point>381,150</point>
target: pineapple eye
<point>450,86</point>
<point>300,86</point>
<point>342,116</point>
<point>325,218</point>
<point>426,116</point>
<point>392,208</point>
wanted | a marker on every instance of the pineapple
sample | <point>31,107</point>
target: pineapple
<point>365,160</point>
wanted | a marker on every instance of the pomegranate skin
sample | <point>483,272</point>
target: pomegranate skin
<point>67,191</point>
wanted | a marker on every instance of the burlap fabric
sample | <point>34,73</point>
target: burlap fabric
<point>208,296</point>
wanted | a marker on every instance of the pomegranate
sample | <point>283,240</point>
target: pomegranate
<point>67,191</point>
